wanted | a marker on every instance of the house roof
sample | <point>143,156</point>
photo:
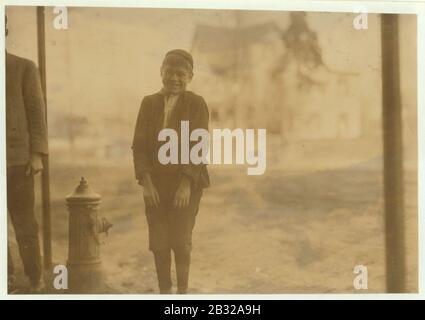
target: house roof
<point>222,47</point>
<point>212,38</point>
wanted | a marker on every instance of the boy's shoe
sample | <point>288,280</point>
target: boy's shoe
<point>165,291</point>
<point>181,291</point>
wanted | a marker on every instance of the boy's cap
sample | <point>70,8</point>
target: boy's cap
<point>183,54</point>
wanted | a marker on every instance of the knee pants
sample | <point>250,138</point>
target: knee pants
<point>171,227</point>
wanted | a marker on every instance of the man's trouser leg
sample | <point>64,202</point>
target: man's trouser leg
<point>20,203</point>
<point>10,269</point>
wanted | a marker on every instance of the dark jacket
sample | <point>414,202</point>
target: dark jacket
<point>26,129</point>
<point>190,107</point>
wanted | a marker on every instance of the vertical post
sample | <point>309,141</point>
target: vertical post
<point>393,156</point>
<point>45,187</point>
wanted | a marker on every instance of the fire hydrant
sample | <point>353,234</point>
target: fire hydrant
<point>85,229</point>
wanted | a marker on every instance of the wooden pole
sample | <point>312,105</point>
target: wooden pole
<point>45,181</point>
<point>393,155</point>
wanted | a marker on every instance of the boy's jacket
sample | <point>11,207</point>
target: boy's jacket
<point>189,107</point>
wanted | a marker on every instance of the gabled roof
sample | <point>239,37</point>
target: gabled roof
<point>221,47</point>
<point>212,38</point>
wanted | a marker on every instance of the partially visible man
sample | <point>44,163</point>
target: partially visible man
<point>26,142</point>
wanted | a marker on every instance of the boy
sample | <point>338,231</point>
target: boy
<point>171,192</point>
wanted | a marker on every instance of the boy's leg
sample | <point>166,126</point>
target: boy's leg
<point>183,224</point>
<point>159,245</point>
<point>159,242</point>
<point>20,202</point>
<point>182,258</point>
<point>163,270</point>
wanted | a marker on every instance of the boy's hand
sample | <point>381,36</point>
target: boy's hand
<point>35,164</point>
<point>150,194</point>
<point>182,197</point>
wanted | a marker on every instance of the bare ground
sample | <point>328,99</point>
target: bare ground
<point>288,231</point>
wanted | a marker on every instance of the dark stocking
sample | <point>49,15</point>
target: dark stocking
<point>182,269</point>
<point>163,270</point>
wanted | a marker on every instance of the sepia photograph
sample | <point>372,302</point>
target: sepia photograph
<point>210,151</point>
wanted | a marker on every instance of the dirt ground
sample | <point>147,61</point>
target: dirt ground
<point>296,229</point>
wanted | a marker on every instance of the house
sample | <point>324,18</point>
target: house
<point>233,67</point>
<point>258,76</point>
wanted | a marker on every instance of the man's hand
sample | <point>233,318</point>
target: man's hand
<point>35,164</point>
<point>182,196</point>
<point>150,194</point>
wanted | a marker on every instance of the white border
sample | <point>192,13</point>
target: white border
<point>400,6</point>
<point>421,148</point>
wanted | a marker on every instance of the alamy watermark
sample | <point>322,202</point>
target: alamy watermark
<point>360,21</point>
<point>361,280</point>
<point>222,147</point>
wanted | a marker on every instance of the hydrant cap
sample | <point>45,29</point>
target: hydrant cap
<point>83,193</point>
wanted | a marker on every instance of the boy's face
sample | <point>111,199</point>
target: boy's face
<point>175,78</point>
